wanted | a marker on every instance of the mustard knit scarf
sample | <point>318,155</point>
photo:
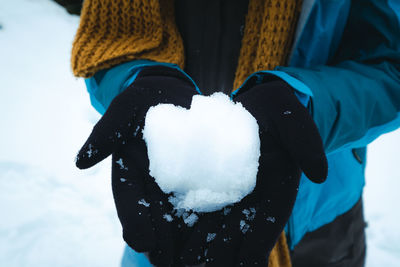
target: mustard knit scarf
<point>116,31</point>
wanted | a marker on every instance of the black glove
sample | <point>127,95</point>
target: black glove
<point>143,209</point>
<point>245,233</point>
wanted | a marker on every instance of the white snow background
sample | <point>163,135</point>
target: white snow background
<point>52,214</point>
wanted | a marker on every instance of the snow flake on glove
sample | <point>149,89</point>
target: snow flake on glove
<point>144,203</point>
<point>168,217</point>
<point>136,131</point>
<point>271,219</point>
<point>91,152</point>
<point>211,236</point>
<point>121,164</point>
<point>191,219</point>
<point>227,210</point>
<point>250,213</point>
<point>244,227</point>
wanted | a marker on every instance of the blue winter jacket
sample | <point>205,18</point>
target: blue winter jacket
<point>345,66</point>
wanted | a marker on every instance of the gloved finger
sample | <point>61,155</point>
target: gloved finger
<point>301,138</point>
<point>163,221</point>
<point>290,122</point>
<point>298,132</point>
<point>204,232</point>
<point>114,128</point>
<point>131,202</point>
<point>223,250</point>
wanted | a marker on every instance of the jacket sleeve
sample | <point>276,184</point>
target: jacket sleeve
<point>356,98</point>
<point>106,84</point>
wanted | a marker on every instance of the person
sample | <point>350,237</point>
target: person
<point>338,61</point>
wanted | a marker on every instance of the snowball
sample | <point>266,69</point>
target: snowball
<point>207,156</point>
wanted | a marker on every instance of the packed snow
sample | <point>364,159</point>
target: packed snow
<point>207,156</point>
<point>53,214</point>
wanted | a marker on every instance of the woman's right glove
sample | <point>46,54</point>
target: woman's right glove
<point>245,233</point>
<point>143,209</point>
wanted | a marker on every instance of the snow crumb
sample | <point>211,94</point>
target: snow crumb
<point>211,236</point>
<point>287,112</point>
<point>191,219</point>
<point>144,203</point>
<point>271,219</point>
<point>207,156</point>
<point>136,131</point>
<point>121,164</point>
<point>227,210</point>
<point>250,214</point>
<point>244,227</point>
<point>123,180</point>
<point>91,152</point>
<point>168,217</point>
<point>179,212</point>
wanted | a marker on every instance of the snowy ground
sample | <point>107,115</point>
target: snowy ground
<point>382,197</point>
<point>55,215</point>
<point>52,214</point>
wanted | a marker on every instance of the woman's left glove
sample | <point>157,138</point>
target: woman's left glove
<point>143,209</point>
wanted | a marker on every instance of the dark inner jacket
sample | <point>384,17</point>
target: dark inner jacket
<point>212,32</point>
